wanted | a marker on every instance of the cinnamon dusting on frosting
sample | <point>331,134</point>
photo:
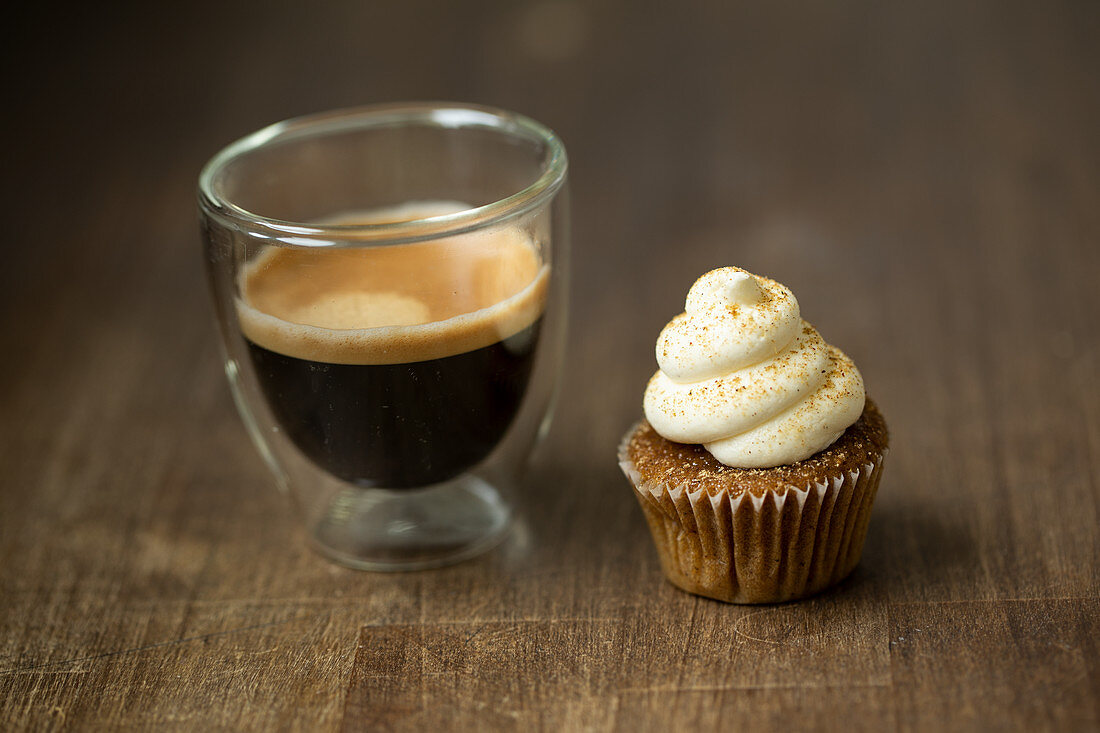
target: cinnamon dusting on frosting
<point>744,375</point>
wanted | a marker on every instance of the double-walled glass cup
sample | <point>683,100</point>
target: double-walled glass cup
<point>390,283</point>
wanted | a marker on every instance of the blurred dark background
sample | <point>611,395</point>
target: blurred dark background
<point>771,137</point>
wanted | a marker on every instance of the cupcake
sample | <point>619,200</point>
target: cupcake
<point>759,456</point>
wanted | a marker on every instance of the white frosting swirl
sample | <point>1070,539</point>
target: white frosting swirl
<point>743,374</point>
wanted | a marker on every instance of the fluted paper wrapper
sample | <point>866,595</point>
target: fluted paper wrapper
<point>789,543</point>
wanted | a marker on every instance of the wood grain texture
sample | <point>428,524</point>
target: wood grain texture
<point>924,177</point>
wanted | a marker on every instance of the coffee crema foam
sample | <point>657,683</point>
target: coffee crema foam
<point>398,303</point>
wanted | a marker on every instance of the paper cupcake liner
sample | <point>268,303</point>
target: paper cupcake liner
<point>788,543</point>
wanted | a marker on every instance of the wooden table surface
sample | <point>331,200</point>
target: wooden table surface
<point>925,177</point>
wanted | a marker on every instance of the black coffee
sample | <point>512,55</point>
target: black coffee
<point>397,366</point>
<point>399,425</point>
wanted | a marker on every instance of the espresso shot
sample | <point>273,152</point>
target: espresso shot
<point>399,366</point>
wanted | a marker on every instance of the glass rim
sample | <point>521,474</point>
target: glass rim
<point>553,169</point>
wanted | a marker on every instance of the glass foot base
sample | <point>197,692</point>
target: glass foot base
<point>387,530</point>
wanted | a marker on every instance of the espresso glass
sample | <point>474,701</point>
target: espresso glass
<point>390,283</point>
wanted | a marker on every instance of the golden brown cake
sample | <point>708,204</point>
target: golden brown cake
<point>757,535</point>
